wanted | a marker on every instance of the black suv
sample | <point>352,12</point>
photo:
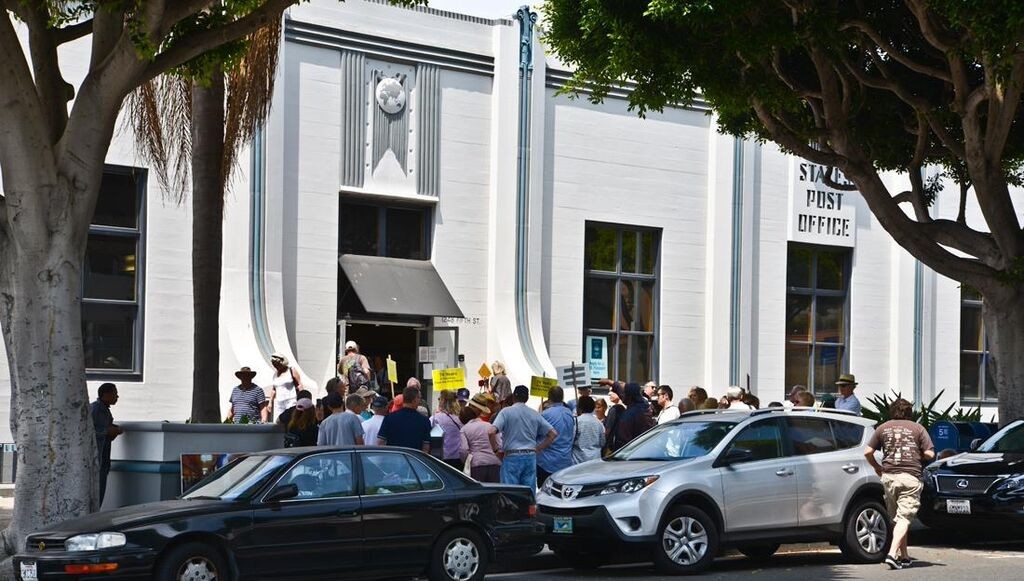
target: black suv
<point>980,489</point>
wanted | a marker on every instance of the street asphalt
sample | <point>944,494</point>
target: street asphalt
<point>939,556</point>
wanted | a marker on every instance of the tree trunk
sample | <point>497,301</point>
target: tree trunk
<point>207,244</point>
<point>40,307</point>
<point>1004,328</point>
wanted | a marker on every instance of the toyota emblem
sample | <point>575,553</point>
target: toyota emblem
<point>570,492</point>
<point>962,483</point>
<point>42,546</point>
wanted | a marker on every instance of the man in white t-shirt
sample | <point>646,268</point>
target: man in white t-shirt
<point>379,407</point>
<point>669,411</point>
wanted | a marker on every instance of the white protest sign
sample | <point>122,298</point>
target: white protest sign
<point>570,376</point>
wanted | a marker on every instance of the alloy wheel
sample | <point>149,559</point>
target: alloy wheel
<point>197,569</point>
<point>871,531</point>
<point>685,540</point>
<point>461,559</point>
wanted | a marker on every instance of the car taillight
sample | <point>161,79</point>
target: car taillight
<point>531,511</point>
<point>87,568</point>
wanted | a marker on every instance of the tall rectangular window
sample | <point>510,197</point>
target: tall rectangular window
<point>112,277</point>
<point>976,382</point>
<point>817,315</point>
<point>620,298</point>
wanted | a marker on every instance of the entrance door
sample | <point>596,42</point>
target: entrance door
<point>437,348</point>
<point>379,340</point>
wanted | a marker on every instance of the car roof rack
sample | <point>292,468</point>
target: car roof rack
<point>703,412</point>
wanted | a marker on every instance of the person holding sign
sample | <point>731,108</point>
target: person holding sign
<point>521,429</point>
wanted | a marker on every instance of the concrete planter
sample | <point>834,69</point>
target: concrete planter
<point>146,459</point>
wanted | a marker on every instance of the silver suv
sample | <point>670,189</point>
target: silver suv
<point>723,478</point>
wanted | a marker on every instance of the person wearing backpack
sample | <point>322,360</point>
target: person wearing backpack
<point>355,367</point>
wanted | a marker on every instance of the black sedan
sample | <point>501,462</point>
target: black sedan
<point>362,512</point>
<point>979,490</point>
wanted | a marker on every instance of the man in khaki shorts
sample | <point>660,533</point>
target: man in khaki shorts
<point>905,445</point>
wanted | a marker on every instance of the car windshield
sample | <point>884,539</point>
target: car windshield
<point>677,441</point>
<point>1007,440</point>
<point>239,480</point>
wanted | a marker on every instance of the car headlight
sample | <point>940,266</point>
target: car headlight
<point>629,485</point>
<point>546,487</point>
<point>94,541</point>
<point>1012,485</point>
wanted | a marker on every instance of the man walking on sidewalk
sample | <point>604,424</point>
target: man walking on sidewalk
<point>905,446</point>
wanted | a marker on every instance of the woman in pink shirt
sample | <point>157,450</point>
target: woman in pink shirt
<point>478,441</point>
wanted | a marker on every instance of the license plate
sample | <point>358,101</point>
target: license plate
<point>958,506</point>
<point>28,571</point>
<point>562,525</point>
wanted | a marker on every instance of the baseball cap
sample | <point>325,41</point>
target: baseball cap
<point>303,404</point>
<point>462,394</point>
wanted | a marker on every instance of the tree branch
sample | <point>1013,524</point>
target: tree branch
<point>1003,103</point>
<point>21,115</point>
<point>73,31</point>
<point>192,46</point>
<point>54,91</point>
<point>897,55</point>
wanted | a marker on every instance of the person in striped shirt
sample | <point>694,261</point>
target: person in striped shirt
<point>247,399</point>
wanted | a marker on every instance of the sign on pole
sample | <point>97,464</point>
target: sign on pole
<point>539,386</point>
<point>574,376</point>
<point>454,378</point>
<point>392,370</point>
<point>597,356</point>
<point>484,371</point>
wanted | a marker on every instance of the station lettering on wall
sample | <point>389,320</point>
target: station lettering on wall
<point>821,214</point>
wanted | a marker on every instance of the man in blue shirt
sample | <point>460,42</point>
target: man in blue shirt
<point>406,427</point>
<point>846,400</point>
<point>521,429</point>
<point>559,454</point>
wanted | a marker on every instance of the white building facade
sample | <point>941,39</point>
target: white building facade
<point>422,188</point>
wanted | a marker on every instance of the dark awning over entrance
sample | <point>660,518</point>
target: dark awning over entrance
<point>396,286</point>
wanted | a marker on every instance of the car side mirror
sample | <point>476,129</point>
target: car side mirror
<point>736,456</point>
<point>975,444</point>
<point>282,492</point>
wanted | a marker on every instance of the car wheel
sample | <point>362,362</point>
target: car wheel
<point>687,541</point>
<point>866,532</point>
<point>458,555</point>
<point>580,558</point>
<point>193,562</point>
<point>758,552</point>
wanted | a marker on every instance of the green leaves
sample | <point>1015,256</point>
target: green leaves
<point>924,414</point>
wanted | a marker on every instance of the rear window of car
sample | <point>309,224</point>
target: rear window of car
<point>810,436</point>
<point>847,435</point>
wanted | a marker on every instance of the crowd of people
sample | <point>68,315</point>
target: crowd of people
<point>494,435</point>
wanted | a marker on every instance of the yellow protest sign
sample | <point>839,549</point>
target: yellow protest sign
<point>484,371</point>
<point>539,386</point>
<point>454,378</point>
<point>392,371</point>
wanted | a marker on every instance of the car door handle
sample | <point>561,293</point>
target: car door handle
<point>784,472</point>
<point>851,468</point>
<point>439,506</point>
<point>347,513</point>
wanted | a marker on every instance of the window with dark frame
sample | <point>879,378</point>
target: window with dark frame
<point>112,277</point>
<point>976,381</point>
<point>620,297</point>
<point>380,230</point>
<point>817,316</point>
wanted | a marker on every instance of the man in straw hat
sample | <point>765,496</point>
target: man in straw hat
<point>247,399</point>
<point>846,400</point>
